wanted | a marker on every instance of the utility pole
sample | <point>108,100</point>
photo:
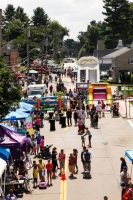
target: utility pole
<point>0,31</point>
<point>28,59</point>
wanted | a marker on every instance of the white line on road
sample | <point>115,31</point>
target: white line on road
<point>131,124</point>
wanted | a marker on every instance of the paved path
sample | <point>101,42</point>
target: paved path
<point>109,142</point>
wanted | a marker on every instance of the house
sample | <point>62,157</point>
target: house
<point>11,57</point>
<point>121,62</point>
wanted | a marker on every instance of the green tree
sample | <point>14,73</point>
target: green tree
<point>9,13</point>
<point>117,21</point>
<point>10,91</point>
<point>57,33</point>
<point>40,18</point>
<point>71,48</point>
<point>88,39</point>
<point>13,29</point>
<point>21,15</point>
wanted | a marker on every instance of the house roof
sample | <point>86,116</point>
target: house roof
<point>117,53</point>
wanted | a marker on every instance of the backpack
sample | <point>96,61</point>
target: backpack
<point>87,157</point>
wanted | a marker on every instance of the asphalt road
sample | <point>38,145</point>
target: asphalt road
<point>109,142</point>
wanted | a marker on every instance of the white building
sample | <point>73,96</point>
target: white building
<point>88,70</point>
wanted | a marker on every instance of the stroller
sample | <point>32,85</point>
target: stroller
<point>87,168</point>
<point>45,152</point>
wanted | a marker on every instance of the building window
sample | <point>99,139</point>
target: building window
<point>130,61</point>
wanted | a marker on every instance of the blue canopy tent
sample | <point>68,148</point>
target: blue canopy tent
<point>129,155</point>
<point>16,115</point>
<point>25,106</point>
<point>4,153</point>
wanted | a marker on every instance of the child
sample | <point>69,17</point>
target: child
<point>83,141</point>
<point>89,136</point>
<point>35,176</point>
<point>49,167</point>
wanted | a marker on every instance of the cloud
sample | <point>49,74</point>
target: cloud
<point>73,14</point>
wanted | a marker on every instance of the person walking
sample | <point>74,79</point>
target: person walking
<point>35,176</point>
<point>75,116</point>
<point>88,133</point>
<point>71,165</point>
<point>38,140</point>
<point>87,110</point>
<point>83,117</point>
<point>61,159</point>
<point>87,160</point>
<point>42,143</point>
<point>75,153</point>
<point>69,117</point>
<point>82,157</point>
<point>54,161</point>
<point>38,123</point>
<point>98,108</point>
<point>103,106</point>
<point>95,119</point>
<point>41,168</point>
<point>51,89</point>
<point>49,167</point>
<point>123,164</point>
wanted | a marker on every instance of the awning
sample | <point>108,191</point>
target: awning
<point>26,106</point>
<point>33,71</point>
<point>16,115</point>
<point>129,154</point>
<point>4,153</point>
<point>2,166</point>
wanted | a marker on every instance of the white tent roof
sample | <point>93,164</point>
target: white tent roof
<point>2,166</point>
<point>33,71</point>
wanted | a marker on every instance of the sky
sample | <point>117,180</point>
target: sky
<point>73,14</point>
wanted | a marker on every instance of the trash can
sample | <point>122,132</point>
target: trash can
<point>50,115</point>
<point>61,115</point>
<point>52,124</point>
<point>63,122</point>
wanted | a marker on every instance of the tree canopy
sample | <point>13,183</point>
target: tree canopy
<point>10,91</point>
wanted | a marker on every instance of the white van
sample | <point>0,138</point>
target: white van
<point>36,90</point>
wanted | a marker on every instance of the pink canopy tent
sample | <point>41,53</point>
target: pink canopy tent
<point>12,140</point>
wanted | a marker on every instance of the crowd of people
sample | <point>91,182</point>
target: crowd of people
<point>76,114</point>
<point>125,183</point>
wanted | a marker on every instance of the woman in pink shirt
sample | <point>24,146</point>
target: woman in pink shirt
<point>41,143</point>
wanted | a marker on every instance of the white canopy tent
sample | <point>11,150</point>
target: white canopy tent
<point>3,165</point>
<point>33,71</point>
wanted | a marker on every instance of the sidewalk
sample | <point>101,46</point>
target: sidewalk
<point>126,105</point>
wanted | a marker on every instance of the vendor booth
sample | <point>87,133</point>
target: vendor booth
<point>12,140</point>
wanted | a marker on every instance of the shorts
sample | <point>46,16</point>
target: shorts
<point>71,168</point>
<point>35,180</point>
<point>62,164</point>
<point>49,172</point>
